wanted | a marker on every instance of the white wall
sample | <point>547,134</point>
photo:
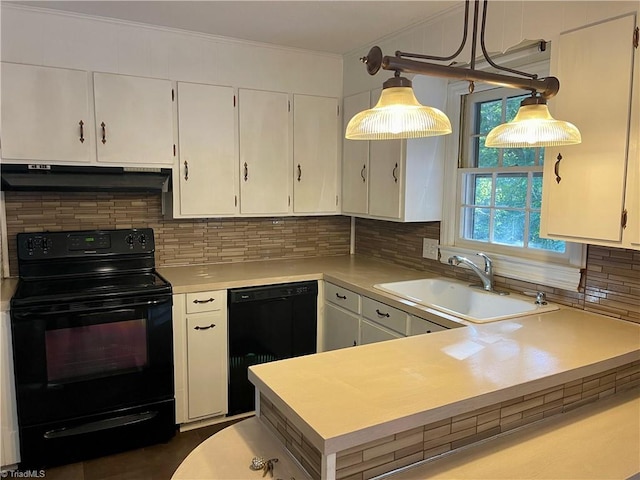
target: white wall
<point>44,37</point>
<point>508,24</point>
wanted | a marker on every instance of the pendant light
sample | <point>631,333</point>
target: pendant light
<point>399,115</point>
<point>533,126</point>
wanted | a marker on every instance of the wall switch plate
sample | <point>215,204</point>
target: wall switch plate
<point>430,248</point>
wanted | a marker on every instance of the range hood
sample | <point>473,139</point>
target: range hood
<point>58,178</point>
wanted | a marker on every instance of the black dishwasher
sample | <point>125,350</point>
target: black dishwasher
<point>267,323</point>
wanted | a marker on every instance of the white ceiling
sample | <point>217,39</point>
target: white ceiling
<point>326,25</point>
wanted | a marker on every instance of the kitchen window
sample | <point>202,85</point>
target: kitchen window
<point>501,188</point>
<point>494,195</point>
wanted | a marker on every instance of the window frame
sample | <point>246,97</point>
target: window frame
<point>540,267</point>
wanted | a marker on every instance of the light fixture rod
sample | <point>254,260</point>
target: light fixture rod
<point>546,87</point>
<point>450,57</point>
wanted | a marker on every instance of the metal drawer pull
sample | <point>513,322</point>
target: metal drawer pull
<point>197,327</point>
<point>362,172</point>
<point>382,314</point>
<point>299,172</point>
<point>556,169</point>
<point>81,131</point>
<point>204,301</point>
<point>341,297</point>
<point>186,170</point>
<point>246,171</point>
<point>104,132</point>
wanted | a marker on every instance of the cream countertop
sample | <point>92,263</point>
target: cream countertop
<point>358,274</point>
<point>596,441</point>
<point>342,397</point>
<point>7,287</point>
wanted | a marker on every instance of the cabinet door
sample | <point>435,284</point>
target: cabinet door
<point>586,201</point>
<point>207,364</point>
<point>208,155</point>
<point>45,114</point>
<point>134,119</point>
<point>385,174</point>
<point>355,160</point>
<point>315,154</point>
<point>264,152</point>
<point>341,329</point>
<point>419,326</point>
<point>372,333</point>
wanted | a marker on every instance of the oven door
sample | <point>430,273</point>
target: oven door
<point>76,361</point>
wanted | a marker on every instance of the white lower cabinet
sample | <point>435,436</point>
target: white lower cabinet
<point>370,332</point>
<point>9,443</point>
<point>351,319</point>
<point>420,326</point>
<point>201,359</point>
<point>341,328</point>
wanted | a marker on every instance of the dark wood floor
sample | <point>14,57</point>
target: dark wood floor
<point>156,462</point>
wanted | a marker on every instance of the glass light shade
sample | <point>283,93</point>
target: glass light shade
<point>533,126</point>
<point>398,114</point>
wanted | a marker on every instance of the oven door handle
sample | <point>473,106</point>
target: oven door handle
<point>106,424</point>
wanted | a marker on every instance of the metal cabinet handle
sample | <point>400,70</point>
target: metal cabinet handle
<point>299,172</point>
<point>382,314</point>
<point>81,131</point>
<point>104,132</point>
<point>556,168</point>
<point>198,327</point>
<point>204,301</point>
<point>186,170</point>
<point>341,297</point>
<point>246,171</point>
<point>362,172</point>
<point>394,173</point>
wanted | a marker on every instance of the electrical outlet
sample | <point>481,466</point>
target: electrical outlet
<point>430,248</point>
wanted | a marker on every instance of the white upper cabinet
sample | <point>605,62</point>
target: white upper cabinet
<point>403,178</point>
<point>591,188</point>
<point>206,174</point>
<point>134,119</point>
<point>264,152</point>
<point>355,161</point>
<point>45,114</point>
<point>315,154</point>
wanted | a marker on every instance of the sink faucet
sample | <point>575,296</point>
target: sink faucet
<point>486,276</point>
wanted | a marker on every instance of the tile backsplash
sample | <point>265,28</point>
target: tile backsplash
<point>611,279</point>
<point>178,242</point>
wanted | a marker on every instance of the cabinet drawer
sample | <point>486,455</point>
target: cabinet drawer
<point>206,301</point>
<point>343,297</point>
<point>385,315</point>
<point>418,326</point>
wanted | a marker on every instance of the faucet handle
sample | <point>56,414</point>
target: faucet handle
<point>488,265</point>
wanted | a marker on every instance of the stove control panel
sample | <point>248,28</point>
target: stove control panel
<point>60,245</point>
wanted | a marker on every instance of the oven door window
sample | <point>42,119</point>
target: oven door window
<point>90,351</point>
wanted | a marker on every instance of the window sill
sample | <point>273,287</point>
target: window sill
<point>566,277</point>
